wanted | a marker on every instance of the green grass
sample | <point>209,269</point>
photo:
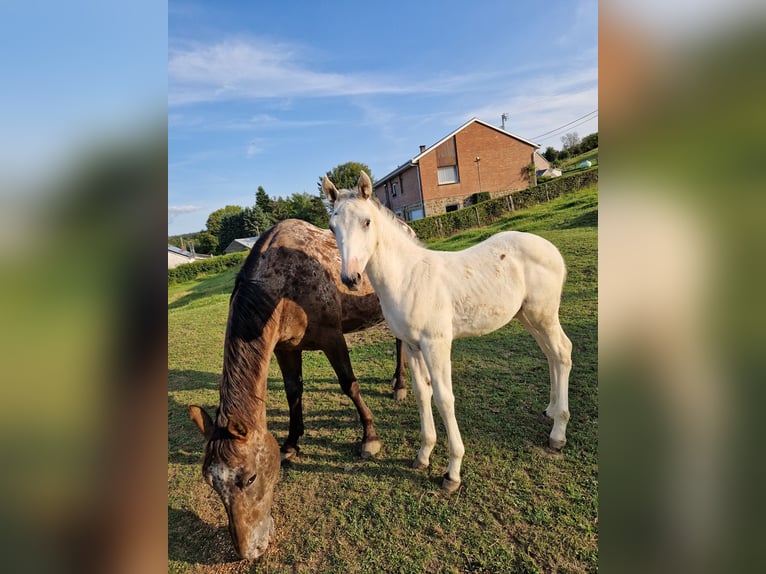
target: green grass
<point>572,163</point>
<point>521,508</point>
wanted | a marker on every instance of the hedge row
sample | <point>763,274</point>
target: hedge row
<point>486,212</point>
<point>189,271</point>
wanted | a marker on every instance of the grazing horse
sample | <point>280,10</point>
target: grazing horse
<point>287,298</point>
<point>430,298</point>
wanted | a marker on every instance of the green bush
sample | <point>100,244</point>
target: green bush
<point>489,211</point>
<point>189,271</point>
<point>480,196</point>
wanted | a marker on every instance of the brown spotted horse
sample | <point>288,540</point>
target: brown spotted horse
<point>287,298</point>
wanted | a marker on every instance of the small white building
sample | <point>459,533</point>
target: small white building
<point>177,256</point>
<point>543,167</point>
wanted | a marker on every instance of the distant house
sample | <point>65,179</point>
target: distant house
<point>476,157</point>
<point>242,244</point>
<point>543,167</point>
<point>177,256</point>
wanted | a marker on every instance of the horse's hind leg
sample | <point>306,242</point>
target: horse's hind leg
<point>291,365</point>
<point>547,331</point>
<point>337,353</point>
<point>399,381</point>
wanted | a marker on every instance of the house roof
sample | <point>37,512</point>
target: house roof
<point>430,148</point>
<point>247,241</point>
<point>179,251</point>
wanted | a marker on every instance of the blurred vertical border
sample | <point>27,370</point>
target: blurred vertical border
<point>681,273</point>
<point>83,192</point>
<point>83,186</point>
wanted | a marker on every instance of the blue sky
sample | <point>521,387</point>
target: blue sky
<point>75,73</point>
<point>275,94</point>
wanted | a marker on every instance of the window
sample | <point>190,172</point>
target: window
<point>394,188</point>
<point>448,174</point>
<point>453,207</point>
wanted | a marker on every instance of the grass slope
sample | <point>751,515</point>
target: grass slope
<point>572,163</point>
<point>521,508</point>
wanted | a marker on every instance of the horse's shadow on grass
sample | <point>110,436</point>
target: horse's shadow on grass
<point>194,541</point>
<point>188,380</point>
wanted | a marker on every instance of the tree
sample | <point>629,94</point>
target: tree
<point>206,243</point>
<point>570,141</point>
<point>232,227</point>
<point>282,209</point>
<point>589,142</point>
<point>263,201</point>
<point>345,175</point>
<point>215,218</point>
<point>309,208</point>
<point>550,154</point>
<point>256,221</point>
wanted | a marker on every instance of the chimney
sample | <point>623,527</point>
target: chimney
<point>422,148</point>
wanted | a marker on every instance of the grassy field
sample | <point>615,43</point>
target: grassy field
<point>521,508</point>
<point>572,163</point>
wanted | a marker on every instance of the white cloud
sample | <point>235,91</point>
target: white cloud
<point>176,210</point>
<point>246,68</point>
<point>254,148</point>
<point>544,103</point>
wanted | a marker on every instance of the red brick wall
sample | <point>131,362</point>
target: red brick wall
<point>503,167</point>
<point>408,194</point>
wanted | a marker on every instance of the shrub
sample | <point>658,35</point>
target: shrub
<point>480,196</point>
<point>486,212</point>
<point>189,271</point>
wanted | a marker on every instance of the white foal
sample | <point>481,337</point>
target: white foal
<point>430,298</point>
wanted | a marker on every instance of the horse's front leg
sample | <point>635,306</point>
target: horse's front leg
<point>421,387</point>
<point>291,365</point>
<point>399,380</point>
<point>436,355</point>
<point>337,353</point>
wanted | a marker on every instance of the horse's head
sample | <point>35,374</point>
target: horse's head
<point>242,466</point>
<point>352,221</point>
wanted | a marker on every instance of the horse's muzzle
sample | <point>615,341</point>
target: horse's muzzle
<point>351,280</point>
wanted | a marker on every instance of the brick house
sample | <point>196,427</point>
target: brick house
<point>443,177</point>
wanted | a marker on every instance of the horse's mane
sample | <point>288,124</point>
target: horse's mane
<point>348,194</point>
<point>247,349</point>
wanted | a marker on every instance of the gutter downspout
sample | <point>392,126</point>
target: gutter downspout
<point>420,191</point>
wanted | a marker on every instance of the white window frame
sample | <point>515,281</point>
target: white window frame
<point>447,174</point>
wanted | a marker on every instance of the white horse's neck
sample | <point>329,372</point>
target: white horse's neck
<point>395,255</point>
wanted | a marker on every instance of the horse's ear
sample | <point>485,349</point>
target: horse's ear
<point>364,186</point>
<point>236,429</point>
<point>329,189</point>
<point>202,420</point>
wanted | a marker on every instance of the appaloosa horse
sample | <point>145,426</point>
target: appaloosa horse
<point>287,298</point>
<point>430,298</point>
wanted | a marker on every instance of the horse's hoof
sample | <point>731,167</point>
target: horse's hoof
<point>400,394</point>
<point>448,485</point>
<point>556,444</point>
<point>370,448</point>
<point>417,465</point>
<point>288,453</point>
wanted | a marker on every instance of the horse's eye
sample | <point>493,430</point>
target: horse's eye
<point>366,222</point>
<point>250,480</point>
